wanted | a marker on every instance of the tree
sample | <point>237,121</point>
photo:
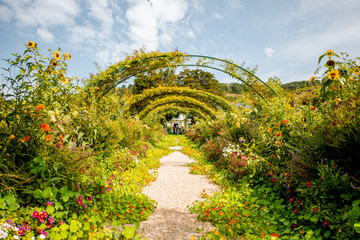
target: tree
<point>200,80</point>
<point>153,79</point>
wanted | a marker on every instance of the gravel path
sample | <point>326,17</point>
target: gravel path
<point>174,189</point>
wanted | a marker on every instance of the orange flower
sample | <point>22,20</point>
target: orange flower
<point>45,127</point>
<point>270,129</point>
<point>238,215</point>
<point>278,143</point>
<point>278,134</point>
<point>284,121</point>
<point>221,213</point>
<point>40,107</point>
<point>48,138</point>
<point>61,137</point>
<point>276,124</point>
<point>262,235</point>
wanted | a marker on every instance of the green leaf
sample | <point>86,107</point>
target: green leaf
<point>74,226</point>
<point>47,193</point>
<point>355,203</point>
<point>354,213</point>
<point>128,232</point>
<point>50,209</point>
<point>327,234</point>
<point>314,218</point>
<point>357,227</point>
<point>64,234</point>
<point>37,193</point>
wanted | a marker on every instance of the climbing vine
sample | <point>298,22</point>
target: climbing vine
<point>148,95</point>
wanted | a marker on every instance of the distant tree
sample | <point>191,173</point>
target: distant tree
<point>224,87</point>
<point>153,79</point>
<point>200,80</point>
<point>197,79</point>
<point>237,88</point>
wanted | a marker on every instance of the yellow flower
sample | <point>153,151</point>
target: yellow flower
<point>69,56</point>
<point>12,136</point>
<point>64,56</point>
<point>334,74</point>
<point>56,55</point>
<point>54,63</point>
<point>237,124</point>
<point>329,53</point>
<point>261,127</point>
<point>31,44</point>
<point>216,233</point>
<point>312,79</point>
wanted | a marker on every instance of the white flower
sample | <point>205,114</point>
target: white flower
<point>42,236</point>
<point>16,237</point>
<point>75,113</point>
<point>16,229</point>
<point>33,238</point>
<point>53,119</point>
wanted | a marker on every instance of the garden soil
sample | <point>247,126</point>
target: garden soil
<point>174,189</point>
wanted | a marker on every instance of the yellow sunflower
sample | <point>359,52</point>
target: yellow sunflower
<point>54,63</point>
<point>329,53</point>
<point>56,55</point>
<point>334,74</point>
<point>69,56</point>
<point>31,44</point>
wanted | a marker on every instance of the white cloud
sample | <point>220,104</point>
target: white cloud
<point>5,14</point>
<point>191,34</point>
<point>43,12</point>
<point>218,16</point>
<point>101,11</point>
<point>165,39</point>
<point>45,35</point>
<point>269,52</point>
<point>147,23</point>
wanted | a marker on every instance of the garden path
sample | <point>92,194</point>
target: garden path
<point>174,189</point>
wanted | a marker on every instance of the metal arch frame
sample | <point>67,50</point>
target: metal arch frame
<point>194,65</point>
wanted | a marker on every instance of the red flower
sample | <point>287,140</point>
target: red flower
<point>315,209</point>
<point>27,138</point>
<point>273,180</point>
<point>45,127</point>
<point>299,201</point>
<point>291,200</point>
<point>284,121</point>
<point>296,211</point>
<point>313,108</point>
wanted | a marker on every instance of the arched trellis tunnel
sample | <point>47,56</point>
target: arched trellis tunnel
<point>143,62</point>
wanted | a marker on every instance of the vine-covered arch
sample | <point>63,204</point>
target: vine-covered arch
<point>171,108</point>
<point>142,62</point>
<point>179,101</point>
<point>144,99</point>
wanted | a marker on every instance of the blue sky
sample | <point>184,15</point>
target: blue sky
<point>284,38</point>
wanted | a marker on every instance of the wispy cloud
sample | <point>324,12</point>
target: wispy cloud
<point>269,52</point>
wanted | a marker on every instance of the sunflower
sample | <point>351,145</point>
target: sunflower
<point>69,56</point>
<point>330,63</point>
<point>31,44</point>
<point>312,79</point>
<point>329,53</point>
<point>54,63</point>
<point>334,74</point>
<point>56,55</point>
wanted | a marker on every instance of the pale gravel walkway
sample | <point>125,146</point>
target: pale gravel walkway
<point>174,189</point>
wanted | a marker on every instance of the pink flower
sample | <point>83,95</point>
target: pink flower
<point>21,231</point>
<point>315,209</point>
<point>273,180</point>
<point>35,214</point>
<point>296,211</point>
<point>40,230</point>
<point>45,233</point>
<point>26,227</point>
<point>291,200</point>
<point>298,202</point>
<point>45,214</point>
<point>51,220</point>
<point>79,202</point>
<point>48,204</point>
<point>325,223</point>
